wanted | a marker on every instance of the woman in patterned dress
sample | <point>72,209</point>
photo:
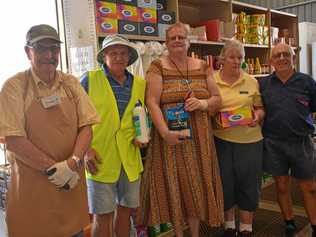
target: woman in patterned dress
<point>182,182</point>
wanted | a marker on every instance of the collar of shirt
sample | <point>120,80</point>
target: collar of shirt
<point>292,77</point>
<point>129,76</point>
<point>219,80</point>
<point>39,82</point>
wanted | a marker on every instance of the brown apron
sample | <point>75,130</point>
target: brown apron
<point>36,207</point>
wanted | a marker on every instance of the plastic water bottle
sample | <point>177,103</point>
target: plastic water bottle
<point>141,123</point>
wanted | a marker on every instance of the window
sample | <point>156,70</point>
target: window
<point>15,19</point>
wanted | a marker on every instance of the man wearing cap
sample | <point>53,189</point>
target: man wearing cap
<point>114,161</point>
<point>46,120</point>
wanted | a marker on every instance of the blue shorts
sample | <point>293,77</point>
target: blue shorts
<point>104,197</point>
<point>292,156</point>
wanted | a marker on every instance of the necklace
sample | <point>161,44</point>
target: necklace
<point>185,80</point>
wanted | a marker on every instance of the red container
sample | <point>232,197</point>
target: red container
<point>212,29</point>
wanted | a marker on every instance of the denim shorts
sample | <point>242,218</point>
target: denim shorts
<point>104,197</point>
<point>241,171</point>
<point>292,156</point>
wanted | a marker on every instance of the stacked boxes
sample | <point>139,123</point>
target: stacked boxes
<point>106,13</point>
<point>137,17</point>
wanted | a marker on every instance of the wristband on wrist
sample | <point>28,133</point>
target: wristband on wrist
<point>77,160</point>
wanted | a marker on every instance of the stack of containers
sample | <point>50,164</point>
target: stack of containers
<point>251,29</point>
<point>106,16</point>
<point>128,17</point>
<point>135,17</point>
<point>256,31</point>
<point>148,17</point>
<point>165,18</point>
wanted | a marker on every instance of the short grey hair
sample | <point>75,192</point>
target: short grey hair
<point>232,44</point>
<point>291,50</point>
<point>181,25</point>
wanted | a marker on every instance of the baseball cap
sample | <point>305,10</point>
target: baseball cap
<point>39,32</point>
<point>115,39</point>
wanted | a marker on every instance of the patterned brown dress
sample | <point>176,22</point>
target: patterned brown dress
<point>182,180</point>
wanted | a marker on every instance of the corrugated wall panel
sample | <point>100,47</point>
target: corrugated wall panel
<point>306,12</point>
<point>301,13</point>
<point>313,17</point>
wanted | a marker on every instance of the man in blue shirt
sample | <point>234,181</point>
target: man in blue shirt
<point>113,161</point>
<point>289,98</point>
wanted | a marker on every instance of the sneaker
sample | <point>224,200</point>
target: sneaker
<point>245,233</point>
<point>230,233</point>
<point>290,230</point>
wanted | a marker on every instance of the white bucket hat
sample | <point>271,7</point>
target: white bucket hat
<point>116,39</point>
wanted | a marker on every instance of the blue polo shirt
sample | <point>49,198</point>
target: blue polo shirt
<point>122,93</point>
<point>288,106</point>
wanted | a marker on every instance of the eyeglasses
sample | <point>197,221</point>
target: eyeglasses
<point>279,55</point>
<point>42,49</point>
<point>177,37</point>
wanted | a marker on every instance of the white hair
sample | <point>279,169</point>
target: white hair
<point>232,44</point>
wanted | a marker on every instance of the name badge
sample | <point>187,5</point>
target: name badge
<point>50,101</point>
<point>243,92</point>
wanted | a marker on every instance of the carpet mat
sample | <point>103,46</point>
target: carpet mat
<point>269,194</point>
<point>266,224</point>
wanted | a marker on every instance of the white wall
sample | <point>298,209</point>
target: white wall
<point>307,35</point>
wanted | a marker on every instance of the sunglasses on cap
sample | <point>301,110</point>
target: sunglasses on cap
<point>42,49</point>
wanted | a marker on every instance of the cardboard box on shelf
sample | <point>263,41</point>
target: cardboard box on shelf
<point>147,4</point>
<point>166,17</point>
<point>227,29</point>
<point>106,25</point>
<point>212,29</point>
<point>106,9</point>
<point>148,29</point>
<point>198,33</point>
<point>161,5</point>
<point>128,13</point>
<point>128,27</point>
<point>147,15</point>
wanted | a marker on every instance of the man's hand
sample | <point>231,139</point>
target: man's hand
<point>139,144</point>
<point>92,158</point>
<point>62,175</point>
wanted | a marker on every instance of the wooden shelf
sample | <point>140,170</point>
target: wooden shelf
<point>282,13</point>
<point>204,42</point>
<point>192,12</point>
<point>260,75</point>
<point>248,8</point>
<point>137,37</point>
<point>256,46</point>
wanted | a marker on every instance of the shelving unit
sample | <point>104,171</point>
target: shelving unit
<point>188,11</point>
